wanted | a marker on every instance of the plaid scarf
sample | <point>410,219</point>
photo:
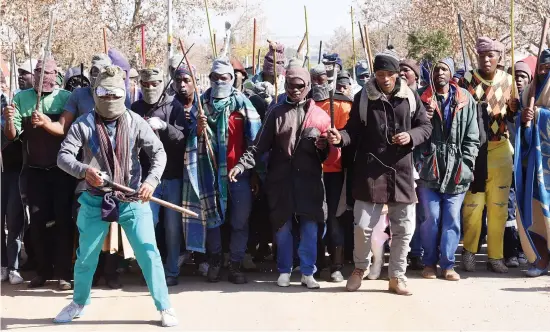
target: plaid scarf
<point>116,164</point>
<point>205,189</point>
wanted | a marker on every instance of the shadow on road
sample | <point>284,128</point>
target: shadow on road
<point>9,323</point>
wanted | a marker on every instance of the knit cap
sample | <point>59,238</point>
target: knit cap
<point>269,59</point>
<point>386,60</point>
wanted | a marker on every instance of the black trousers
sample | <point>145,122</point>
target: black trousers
<point>50,196</point>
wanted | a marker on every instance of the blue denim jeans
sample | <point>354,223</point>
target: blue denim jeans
<point>442,210</point>
<point>307,249</point>
<point>12,217</point>
<point>416,242</point>
<point>170,191</point>
<point>240,201</point>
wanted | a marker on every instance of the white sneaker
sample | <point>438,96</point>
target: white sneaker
<point>168,318</point>
<point>248,264</point>
<point>310,282</point>
<point>68,313</point>
<point>203,269</point>
<point>284,280</point>
<point>5,274</point>
<point>15,278</point>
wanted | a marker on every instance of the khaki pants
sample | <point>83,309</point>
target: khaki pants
<point>402,224</point>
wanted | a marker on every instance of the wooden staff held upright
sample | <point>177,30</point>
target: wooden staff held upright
<point>201,111</point>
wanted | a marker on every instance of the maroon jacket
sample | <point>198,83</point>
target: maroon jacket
<point>294,183</point>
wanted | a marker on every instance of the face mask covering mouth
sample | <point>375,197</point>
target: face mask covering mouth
<point>320,91</point>
<point>221,89</point>
<point>151,94</point>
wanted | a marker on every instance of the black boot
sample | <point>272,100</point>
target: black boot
<point>236,276</point>
<point>215,268</point>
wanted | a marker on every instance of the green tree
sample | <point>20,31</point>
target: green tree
<point>431,46</point>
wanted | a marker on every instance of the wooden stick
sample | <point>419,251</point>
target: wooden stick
<point>153,199</point>
<point>254,50</point>
<point>533,87</point>
<point>29,35</point>
<point>363,40</point>
<point>143,59</point>
<point>512,40</point>
<point>104,40</point>
<point>201,111</point>
<point>320,51</point>
<point>367,40</point>
<point>301,46</point>
<point>275,74</point>
<point>307,38</point>
<point>212,41</point>
<point>353,42</point>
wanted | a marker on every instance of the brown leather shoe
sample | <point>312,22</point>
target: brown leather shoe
<point>399,287</point>
<point>354,281</point>
<point>450,275</point>
<point>429,272</point>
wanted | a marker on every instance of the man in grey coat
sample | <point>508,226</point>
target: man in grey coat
<point>111,138</point>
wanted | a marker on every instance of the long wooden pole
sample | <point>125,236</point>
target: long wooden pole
<point>212,41</point>
<point>512,39</point>
<point>275,75</point>
<point>199,104</point>
<point>533,86</point>
<point>254,49</point>
<point>462,44</point>
<point>367,40</point>
<point>143,58</point>
<point>29,35</point>
<point>353,41</point>
<point>104,40</point>
<point>307,38</point>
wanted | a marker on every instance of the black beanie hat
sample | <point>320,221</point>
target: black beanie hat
<point>386,60</point>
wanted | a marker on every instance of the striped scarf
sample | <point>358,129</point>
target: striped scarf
<point>116,162</point>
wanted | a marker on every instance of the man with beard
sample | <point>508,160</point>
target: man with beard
<point>444,179</point>
<point>40,149</point>
<point>333,172</point>
<point>111,138</point>
<point>25,72</point>
<point>387,121</point>
<point>230,122</point>
<point>166,117</point>
<point>493,174</point>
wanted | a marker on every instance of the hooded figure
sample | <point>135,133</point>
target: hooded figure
<point>263,83</point>
<point>294,188</point>
<point>75,79</point>
<point>110,139</point>
<point>40,148</point>
<point>229,125</point>
<point>166,116</point>
<point>531,169</point>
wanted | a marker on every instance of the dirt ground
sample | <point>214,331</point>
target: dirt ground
<point>480,301</point>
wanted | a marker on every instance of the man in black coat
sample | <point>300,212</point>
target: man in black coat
<point>387,121</point>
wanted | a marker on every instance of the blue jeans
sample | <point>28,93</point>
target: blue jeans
<point>442,210</point>
<point>170,191</point>
<point>240,201</point>
<point>12,217</point>
<point>416,242</point>
<point>136,221</point>
<point>307,249</point>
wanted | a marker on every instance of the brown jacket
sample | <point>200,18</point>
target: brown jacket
<point>383,171</point>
